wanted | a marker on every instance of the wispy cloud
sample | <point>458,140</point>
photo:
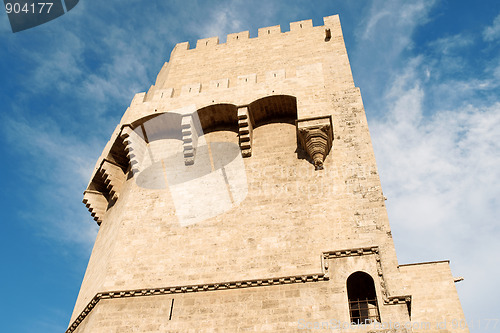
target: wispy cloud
<point>451,44</point>
<point>433,113</point>
<point>60,68</point>
<point>225,19</point>
<point>384,34</point>
<point>492,32</point>
<point>437,150</point>
<point>60,164</point>
<point>234,16</point>
<point>396,17</point>
<point>441,176</point>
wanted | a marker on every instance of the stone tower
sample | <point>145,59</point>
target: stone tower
<point>240,193</point>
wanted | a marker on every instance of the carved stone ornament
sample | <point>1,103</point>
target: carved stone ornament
<point>316,137</point>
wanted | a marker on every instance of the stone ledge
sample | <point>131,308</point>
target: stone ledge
<point>306,278</point>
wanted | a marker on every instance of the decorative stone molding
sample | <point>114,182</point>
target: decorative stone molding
<point>96,203</point>
<point>245,131</point>
<point>316,137</point>
<point>374,250</point>
<point>307,278</point>
<point>195,288</point>
<point>84,313</point>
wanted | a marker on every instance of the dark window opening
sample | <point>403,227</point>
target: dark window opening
<point>363,307</point>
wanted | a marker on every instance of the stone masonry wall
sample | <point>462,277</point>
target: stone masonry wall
<point>290,215</point>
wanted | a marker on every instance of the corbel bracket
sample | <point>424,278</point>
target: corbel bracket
<point>316,137</point>
<point>245,131</point>
<point>189,138</point>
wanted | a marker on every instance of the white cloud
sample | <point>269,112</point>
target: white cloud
<point>395,18</point>
<point>60,165</point>
<point>223,21</point>
<point>59,67</point>
<point>437,144</point>
<point>235,16</point>
<point>440,170</point>
<point>492,32</point>
<point>373,21</point>
<point>383,35</point>
<point>451,44</point>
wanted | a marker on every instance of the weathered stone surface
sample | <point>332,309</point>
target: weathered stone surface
<point>194,237</point>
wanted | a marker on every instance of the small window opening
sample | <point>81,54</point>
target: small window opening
<point>189,89</point>
<point>237,37</point>
<point>268,32</point>
<point>274,74</point>
<point>246,79</point>
<point>301,25</point>
<point>206,42</point>
<point>363,307</point>
<point>217,84</point>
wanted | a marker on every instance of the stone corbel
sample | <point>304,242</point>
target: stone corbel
<point>189,138</point>
<point>135,148</point>
<point>245,131</point>
<point>96,203</point>
<point>113,177</point>
<point>316,137</point>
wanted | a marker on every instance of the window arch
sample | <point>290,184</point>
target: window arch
<point>363,307</point>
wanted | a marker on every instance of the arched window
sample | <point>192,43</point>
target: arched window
<point>362,297</point>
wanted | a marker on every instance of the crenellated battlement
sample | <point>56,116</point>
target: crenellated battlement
<point>269,31</point>
<point>301,25</point>
<point>263,33</point>
<point>242,60</point>
<point>206,42</point>
<point>237,37</point>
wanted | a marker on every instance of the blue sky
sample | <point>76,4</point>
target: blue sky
<point>429,73</point>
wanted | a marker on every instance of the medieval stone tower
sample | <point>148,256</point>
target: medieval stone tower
<point>240,193</point>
